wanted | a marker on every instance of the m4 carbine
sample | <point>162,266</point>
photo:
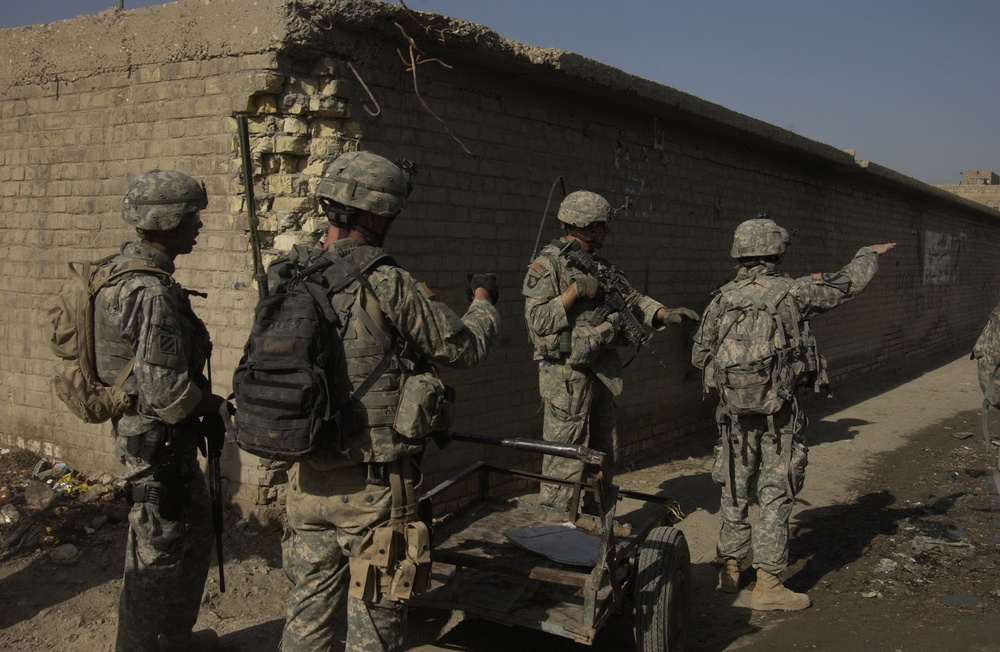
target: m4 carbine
<point>619,296</point>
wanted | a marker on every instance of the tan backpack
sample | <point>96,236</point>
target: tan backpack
<point>75,381</point>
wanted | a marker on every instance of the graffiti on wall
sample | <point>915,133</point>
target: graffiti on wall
<point>937,257</point>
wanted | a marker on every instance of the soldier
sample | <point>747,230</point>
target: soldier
<point>986,353</point>
<point>761,440</point>
<point>579,370</point>
<point>360,488</point>
<point>144,321</point>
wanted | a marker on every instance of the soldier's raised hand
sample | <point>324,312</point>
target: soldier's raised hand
<point>882,248</point>
<point>487,282</point>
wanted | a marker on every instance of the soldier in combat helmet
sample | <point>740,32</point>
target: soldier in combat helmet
<point>579,369</point>
<point>144,320</point>
<point>358,492</point>
<point>763,445</point>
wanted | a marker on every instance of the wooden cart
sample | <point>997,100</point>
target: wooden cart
<point>643,563</point>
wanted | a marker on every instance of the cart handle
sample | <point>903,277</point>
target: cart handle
<point>571,451</point>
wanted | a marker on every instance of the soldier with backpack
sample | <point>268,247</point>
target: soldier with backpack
<point>986,353</point>
<point>756,349</point>
<point>353,546</point>
<point>148,340</point>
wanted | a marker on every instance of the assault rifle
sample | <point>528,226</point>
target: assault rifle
<point>213,429</point>
<point>259,274</point>
<point>619,297</point>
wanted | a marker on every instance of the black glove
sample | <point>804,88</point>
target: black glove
<point>486,281</point>
<point>587,287</point>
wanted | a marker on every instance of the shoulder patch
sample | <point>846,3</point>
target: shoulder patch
<point>428,290</point>
<point>538,268</point>
<point>836,280</point>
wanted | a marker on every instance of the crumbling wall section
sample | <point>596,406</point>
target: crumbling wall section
<point>498,132</point>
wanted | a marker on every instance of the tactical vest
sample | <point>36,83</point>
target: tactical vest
<point>581,313</point>
<point>366,338</point>
<point>114,350</point>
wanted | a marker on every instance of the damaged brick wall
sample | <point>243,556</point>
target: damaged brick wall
<point>496,129</point>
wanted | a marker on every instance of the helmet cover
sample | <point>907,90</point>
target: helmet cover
<point>759,237</point>
<point>366,182</point>
<point>583,208</point>
<point>158,200</point>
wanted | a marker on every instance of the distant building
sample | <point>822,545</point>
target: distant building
<point>980,186</point>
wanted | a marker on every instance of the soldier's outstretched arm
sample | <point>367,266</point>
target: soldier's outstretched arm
<point>434,329</point>
<point>823,291</point>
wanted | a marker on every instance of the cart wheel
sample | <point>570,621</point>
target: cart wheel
<point>662,609</point>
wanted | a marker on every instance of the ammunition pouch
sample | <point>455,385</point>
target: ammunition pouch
<point>426,405</point>
<point>148,446</point>
<point>169,490</point>
<point>394,560</point>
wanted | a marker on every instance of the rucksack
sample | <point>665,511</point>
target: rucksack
<point>291,385</point>
<point>76,382</point>
<point>756,359</point>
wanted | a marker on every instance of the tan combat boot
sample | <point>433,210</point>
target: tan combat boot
<point>771,595</point>
<point>729,576</point>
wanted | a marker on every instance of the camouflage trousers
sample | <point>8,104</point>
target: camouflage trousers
<point>766,465</point>
<point>166,565</point>
<point>580,410</point>
<point>328,515</point>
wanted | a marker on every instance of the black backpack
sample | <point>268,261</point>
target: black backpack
<point>291,386</point>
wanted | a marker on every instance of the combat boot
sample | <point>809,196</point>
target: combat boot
<point>204,640</point>
<point>729,576</point>
<point>771,595</point>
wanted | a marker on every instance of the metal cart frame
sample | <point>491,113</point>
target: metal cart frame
<point>643,563</point>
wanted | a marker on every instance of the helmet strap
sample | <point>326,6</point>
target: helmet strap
<point>585,234</point>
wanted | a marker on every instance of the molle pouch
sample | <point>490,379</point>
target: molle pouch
<point>589,342</point>
<point>426,405</point>
<point>403,578</point>
<point>418,543</point>
<point>418,551</point>
<point>383,547</point>
<point>364,580</point>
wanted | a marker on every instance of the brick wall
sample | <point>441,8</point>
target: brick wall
<point>491,126</point>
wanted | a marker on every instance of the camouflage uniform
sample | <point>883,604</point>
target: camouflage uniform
<point>986,353</point>
<point>335,500</point>
<point>756,454</point>
<point>578,386</point>
<point>169,544</point>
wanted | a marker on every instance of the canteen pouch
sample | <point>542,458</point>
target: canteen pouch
<point>426,405</point>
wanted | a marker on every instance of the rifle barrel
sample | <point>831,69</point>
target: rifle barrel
<point>258,266</point>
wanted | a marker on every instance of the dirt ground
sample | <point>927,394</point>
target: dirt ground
<point>896,539</point>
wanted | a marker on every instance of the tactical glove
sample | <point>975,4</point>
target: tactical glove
<point>677,315</point>
<point>587,287</point>
<point>486,281</point>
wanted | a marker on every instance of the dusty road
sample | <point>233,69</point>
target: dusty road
<point>896,539</point>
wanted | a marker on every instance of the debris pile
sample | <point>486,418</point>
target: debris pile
<point>46,505</point>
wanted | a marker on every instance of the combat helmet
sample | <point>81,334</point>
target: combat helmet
<point>158,200</point>
<point>758,238</point>
<point>365,182</point>
<point>583,208</point>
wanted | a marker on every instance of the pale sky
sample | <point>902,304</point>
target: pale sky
<point>909,84</point>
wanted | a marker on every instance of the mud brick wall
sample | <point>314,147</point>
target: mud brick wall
<point>495,128</point>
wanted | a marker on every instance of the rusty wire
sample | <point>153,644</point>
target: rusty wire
<point>417,59</point>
